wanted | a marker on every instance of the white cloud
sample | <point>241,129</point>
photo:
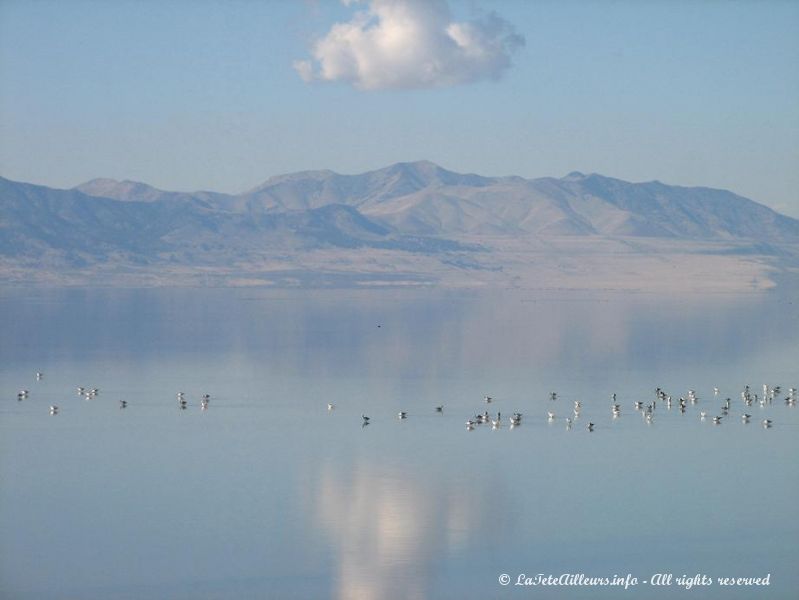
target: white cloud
<point>410,44</point>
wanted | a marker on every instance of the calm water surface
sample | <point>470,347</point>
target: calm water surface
<point>267,494</point>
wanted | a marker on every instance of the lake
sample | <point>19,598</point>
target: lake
<point>266,493</point>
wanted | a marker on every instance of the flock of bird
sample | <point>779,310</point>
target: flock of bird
<point>647,411</point>
<point>91,393</point>
<point>748,398</point>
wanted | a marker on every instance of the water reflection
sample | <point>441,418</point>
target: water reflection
<point>420,333</point>
<point>154,496</point>
<point>390,530</point>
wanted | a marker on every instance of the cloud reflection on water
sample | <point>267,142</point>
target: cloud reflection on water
<point>389,529</point>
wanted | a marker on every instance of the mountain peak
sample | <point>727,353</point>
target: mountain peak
<point>423,173</point>
<point>420,170</point>
<point>124,190</point>
<point>98,181</point>
<point>419,166</point>
<point>579,176</point>
<point>312,175</point>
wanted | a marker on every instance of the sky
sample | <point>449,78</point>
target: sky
<point>221,95</point>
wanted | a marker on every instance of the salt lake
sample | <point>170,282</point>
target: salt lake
<point>267,493</point>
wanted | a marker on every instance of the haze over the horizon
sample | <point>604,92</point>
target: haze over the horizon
<point>221,95</point>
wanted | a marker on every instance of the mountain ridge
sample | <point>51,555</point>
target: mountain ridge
<point>422,198</point>
<point>409,221</point>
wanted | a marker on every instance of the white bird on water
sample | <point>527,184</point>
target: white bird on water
<point>402,415</point>
<point>330,406</point>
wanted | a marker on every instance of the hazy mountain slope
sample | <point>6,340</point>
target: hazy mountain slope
<point>36,219</point>
<point>411,222</point>
<point>503,208</point>
<point>653,208</point>
<point>423,199</point>
<point>68,225</point>
<point>309,189</point>
<point>134,191</point>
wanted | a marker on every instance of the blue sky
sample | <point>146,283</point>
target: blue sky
<point>204,94</point>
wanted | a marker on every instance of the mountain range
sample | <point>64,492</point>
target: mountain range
<point>414,221</point>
